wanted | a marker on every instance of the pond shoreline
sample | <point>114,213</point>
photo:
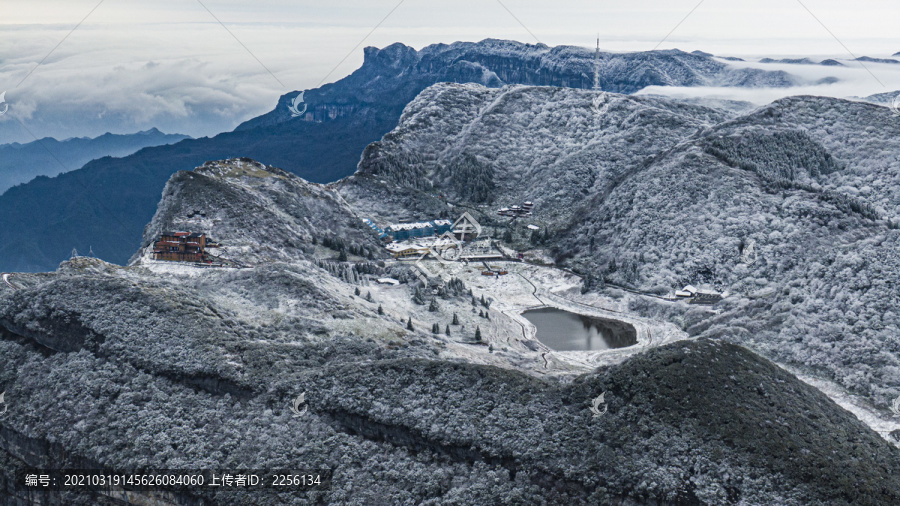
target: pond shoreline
<point>563,330</point>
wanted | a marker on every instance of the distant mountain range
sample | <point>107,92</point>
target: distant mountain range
<point>20,163</point>
<point>869,59</point>
<point>803,61</point>
<point>105,205</point>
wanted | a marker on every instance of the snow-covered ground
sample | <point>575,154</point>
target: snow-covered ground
<point>854,404</point>
<point>530,286</point>
<point>509,339</point>
<point>172,268</point>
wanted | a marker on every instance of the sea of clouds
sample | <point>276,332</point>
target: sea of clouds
<point>172,65</point>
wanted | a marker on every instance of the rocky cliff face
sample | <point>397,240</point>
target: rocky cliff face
<point>790,208</point>
<point>394,75</point>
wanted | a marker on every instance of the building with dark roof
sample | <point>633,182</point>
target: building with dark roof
<point>180,247</point>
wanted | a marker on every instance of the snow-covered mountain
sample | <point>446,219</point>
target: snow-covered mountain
<point>792,208</point>
<point>403,72</point>
<point>173,366</point>
<point>266,213</point>
<point>114,197</point>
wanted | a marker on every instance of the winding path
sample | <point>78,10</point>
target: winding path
<point>534,292</point>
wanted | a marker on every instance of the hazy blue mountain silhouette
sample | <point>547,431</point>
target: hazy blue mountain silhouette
<point>20,163</point>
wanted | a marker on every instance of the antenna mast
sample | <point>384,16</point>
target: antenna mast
<point>597,65</point>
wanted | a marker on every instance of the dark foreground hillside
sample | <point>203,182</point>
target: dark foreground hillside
<point>119,383</point>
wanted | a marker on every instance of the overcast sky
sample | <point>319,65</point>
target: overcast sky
<point>133,64</point>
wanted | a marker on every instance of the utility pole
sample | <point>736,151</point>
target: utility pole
<point>597,65</point>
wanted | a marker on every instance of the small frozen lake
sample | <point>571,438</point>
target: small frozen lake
<point>565,331</point>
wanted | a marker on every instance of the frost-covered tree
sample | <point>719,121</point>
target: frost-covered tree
<point>473,179</point>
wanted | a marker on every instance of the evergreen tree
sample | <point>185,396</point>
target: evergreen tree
<point>435,329</point>
<point>433,306</point>
<point>481,313</point>
<point>342,256</point>
<point>478,334</point>
<point>409,324</point>
<point>447,330</point>
<point>419,297</point>
<point>356,292</point>
<point>369,296</point>
<point>473,179</point>
<point>455,319</point>
<point>380,310</point>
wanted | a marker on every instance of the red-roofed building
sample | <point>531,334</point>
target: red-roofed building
<point>180,247</point>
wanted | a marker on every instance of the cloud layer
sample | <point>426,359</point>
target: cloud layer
<point>171,65</point>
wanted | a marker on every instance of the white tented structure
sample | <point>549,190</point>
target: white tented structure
<point>466,228</point>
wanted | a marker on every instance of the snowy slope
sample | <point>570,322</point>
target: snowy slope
<point>791,208</point>
<point>258,213</point>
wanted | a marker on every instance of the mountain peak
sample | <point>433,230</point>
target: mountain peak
<point>238,168</point>
<point>259,212</point>
<point>396,55</point>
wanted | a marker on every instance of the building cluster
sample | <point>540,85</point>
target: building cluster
<point>182,247</point>
<point>406,231</point>
<point>516,211</point>
<point>443,237</point>
<point>695,296</point>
